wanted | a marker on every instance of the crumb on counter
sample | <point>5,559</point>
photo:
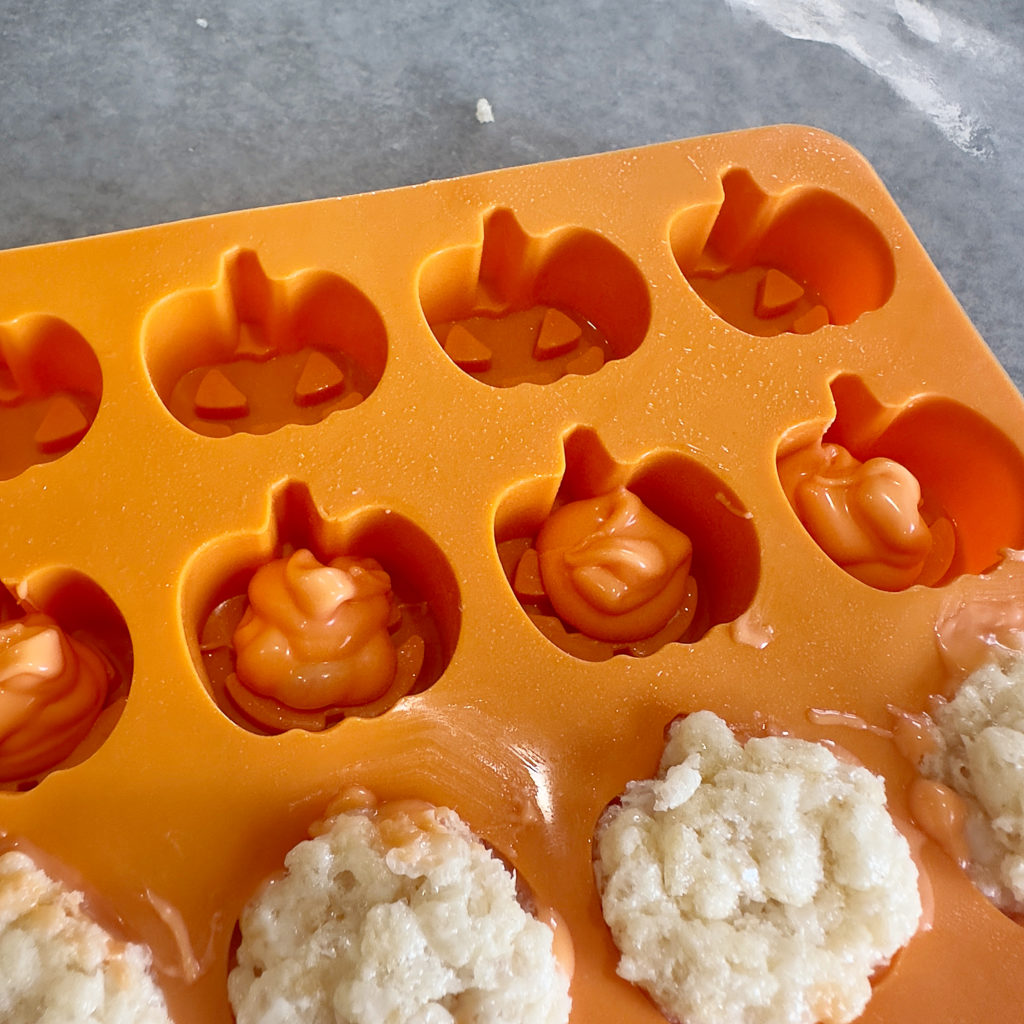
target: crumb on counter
<point>484,112</point>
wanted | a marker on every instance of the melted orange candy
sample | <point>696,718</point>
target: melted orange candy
<point>612,568</point>
<point>52,689</point>
<point>316,636</point>
<point>915,734</point>
<point>985,620</point>
<point>942,814</point>
<point>864,515</point>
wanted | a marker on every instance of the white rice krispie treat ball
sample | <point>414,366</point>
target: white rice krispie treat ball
<point>395,915</point>
<point>980,735</point>
<point>58,966</point>
<point>757,883</point>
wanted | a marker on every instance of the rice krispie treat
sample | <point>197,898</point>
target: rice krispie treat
<point>979,753</point>
<point>756,883</point>
<point>395,914</point>
<point>58,966</point>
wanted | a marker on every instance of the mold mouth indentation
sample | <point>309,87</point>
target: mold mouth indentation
<point>901,495</point>
<point>624,559</point>
<point>312,621</point>
<point>520,309</point>
<point>50,389</point>
<point>788,263</point>
<point>65,671</point>
<point>252,353</point>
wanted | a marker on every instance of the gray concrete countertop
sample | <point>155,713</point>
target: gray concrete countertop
<point>131,112</point>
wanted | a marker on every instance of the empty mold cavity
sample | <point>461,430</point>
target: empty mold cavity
<point>252,353</point>
<point>624,559</point>
<point>918,493</point>
<point>793,262</point>
<point>521,309</point>
<point>65,671</point>
<point>50,389</point>
<point>312,620</point>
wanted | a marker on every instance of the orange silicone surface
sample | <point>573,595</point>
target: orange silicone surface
<point>420,377</point>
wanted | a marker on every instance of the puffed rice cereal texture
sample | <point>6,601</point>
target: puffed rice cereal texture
<point>981,756</point>
<point>58,966</point>
<point>398,919</point>
<point>754,883</point>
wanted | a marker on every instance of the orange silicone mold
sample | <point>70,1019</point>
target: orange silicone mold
<point>582,447</point>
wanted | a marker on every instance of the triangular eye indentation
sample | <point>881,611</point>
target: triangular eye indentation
<point>217,397</point>
<point>62,427</point>
<point>466,350</point>
<point>321,380</point>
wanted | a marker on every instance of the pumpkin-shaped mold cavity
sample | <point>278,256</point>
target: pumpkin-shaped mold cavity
<point>624,559</point>
<point>252,353</point>
<point>898,495</point>
<point>312,620</point>
<point>521,309</point>
<point>791,262</point>
<point>65,671</point>
<point>50,389</point>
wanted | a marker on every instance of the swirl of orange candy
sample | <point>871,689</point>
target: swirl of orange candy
<point>316,636</point>
<point>52,689</point>
<point>613,569</point>
<point>866,516</point>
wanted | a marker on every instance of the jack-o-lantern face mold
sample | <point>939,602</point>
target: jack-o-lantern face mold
<point>627,557</point>
<point>519,309</point>
<point>915,493</point>
<point>50,390</point>
<point>315,621</point>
